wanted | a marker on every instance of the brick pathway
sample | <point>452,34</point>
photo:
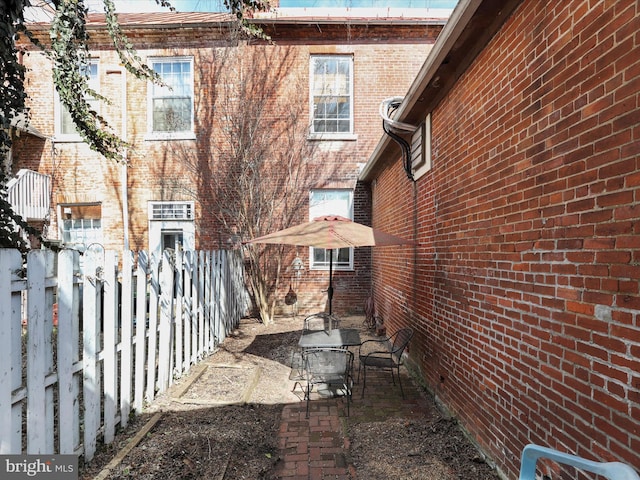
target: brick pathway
<point>317,448</point>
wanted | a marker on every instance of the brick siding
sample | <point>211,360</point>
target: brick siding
<point>524,290</point>
<point>386,59</point>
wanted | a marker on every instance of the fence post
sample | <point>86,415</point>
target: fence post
<point>208,299</point>
<point>141,330</point>
<point>201,303</point>
<point>10,352</point>
<point>110,328</point>
<point>179,313</point>
<point>195,306</point>
<point>153,328</point>
<point>166,316</point>
<point>221,333</point>
<point>223,299</point>
<point>39,352</point>
<point>91,301</point>
<point>126,339</point>
<point>188,307</point>
<point>215,307</point>
<point>68,350</point>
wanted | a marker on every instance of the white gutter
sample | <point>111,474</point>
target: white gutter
<point>356,12</point>
<point>465,9</point>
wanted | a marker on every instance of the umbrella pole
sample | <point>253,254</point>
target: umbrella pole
<point>330,290</point>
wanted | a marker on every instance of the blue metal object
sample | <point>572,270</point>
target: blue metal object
<point>610,470</point>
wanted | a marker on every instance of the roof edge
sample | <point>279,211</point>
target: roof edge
<point>451,32</point>
<point>349,20</point>
<point>471,27</point>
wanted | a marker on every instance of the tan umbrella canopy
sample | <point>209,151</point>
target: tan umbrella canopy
<point>332,232</point>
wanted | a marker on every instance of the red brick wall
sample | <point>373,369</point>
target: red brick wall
<point>386,59</point>
<point>525,292</point>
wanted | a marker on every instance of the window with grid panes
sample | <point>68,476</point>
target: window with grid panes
<point>324,202</point>
<point>81,225</point>
<point>331,94</point>
<point>65,128</point>
<point>171,104</point>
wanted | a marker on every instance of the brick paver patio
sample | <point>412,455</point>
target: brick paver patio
<point>318,447</point>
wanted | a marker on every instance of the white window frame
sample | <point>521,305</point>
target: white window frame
<point>151,95</point>
<point>171,217</point>
<point>319,135</point>
<point>318,208</point>
<point>178,210</point>
<point>65,215</point>
<point>59,109</point>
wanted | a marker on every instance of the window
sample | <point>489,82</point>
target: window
<point>331,202</point>
<point>171,224</point>
<point>421,149</point>
<point>65,128</point>
<point>81,225</point>
<point>331,94</point>
<point>172,239</point>
<point>171,211</point>
<point>171,105</point>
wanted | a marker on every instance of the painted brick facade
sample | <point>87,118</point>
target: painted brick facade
<point>386,56</point>
<point>525,289</point>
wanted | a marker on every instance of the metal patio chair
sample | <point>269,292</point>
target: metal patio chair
<point>610,470</point>
<point>387,355</point>
<point>330,367</point>
<point>297,370</point>
<point>321,321</point>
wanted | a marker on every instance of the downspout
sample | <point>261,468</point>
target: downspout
<point>124,175</point>
<point>47,223</point>
<point>125,201</point>
<point>395,129</point>
<point>451,32</point>
<point>125,163</point>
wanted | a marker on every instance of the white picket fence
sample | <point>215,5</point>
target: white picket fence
<point>83,348</point>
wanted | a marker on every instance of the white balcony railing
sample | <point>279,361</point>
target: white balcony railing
<point>29,193</point>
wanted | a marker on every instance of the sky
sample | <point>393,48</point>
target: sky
<point>217,5</point>
<point>151,6</point>
<point>370,3</point>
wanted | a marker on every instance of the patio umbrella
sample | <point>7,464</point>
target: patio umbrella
<point>331,232</point>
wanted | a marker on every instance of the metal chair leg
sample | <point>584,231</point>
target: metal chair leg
<point>400,382</point>
<point>364,379</point>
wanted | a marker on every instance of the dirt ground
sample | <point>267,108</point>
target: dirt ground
<point>221,422</point>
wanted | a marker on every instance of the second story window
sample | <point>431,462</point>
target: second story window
<point>331,94</point>
<point>65,128</point>
<point>171,105</point>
